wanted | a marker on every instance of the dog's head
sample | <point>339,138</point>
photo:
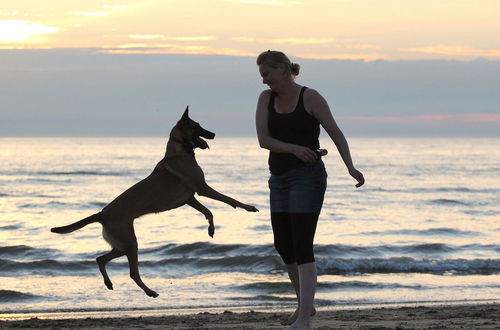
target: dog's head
<point>191,132</point>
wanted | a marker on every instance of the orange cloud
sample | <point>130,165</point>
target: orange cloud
<point>141,48</point>
<point>453,50</point>
<point>163,37</point>
<point>290,41</point>
<point>343,56</point>
<point>269,2</point>
<point>89,13</point>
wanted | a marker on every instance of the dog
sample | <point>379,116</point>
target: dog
<point>173,183</point>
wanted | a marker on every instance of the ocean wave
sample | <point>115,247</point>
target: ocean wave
<point>445,201</point>
<point>425,232</point>
<point>269,300</point>
<point>259,264</point>
<point>408,265</point>
<point>420,190</point>
<point>207,249</point>
<point>261,228</point>
<point>285,287</point>
<point>46,267</point>
<point>27,252</point>
<point>81,173</point>
<point>339,250</point>
<point>455,189</point>
<point>245,264</point>
<point>10,227</point>
<point>63,205</point>
<point>198,249</point>
<point>8,296</point>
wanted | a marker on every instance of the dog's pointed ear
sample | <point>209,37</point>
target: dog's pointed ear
<point>186,113</point>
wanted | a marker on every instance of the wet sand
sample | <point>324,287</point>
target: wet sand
<point>485,316</point>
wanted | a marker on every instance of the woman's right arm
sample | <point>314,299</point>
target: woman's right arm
<point>266,141</point>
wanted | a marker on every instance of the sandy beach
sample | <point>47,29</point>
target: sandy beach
<point>485,316</point>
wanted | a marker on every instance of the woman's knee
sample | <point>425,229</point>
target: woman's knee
<point>305,255</point>
<point>305,227</point>
<point>286,252</point>
<point>283,236</point>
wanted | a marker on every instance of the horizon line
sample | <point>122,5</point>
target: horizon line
<point>112,51</point>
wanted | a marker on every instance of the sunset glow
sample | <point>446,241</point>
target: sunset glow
<point>23,31</point>
<point>316,29</point>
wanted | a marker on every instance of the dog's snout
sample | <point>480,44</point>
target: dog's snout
<point>206,134</point>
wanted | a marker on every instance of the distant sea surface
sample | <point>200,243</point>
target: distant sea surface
<point>425,229</point>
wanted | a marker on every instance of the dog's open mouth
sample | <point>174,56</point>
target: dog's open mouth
<point>199,142</point>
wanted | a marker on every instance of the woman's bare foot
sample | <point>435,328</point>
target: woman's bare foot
<point>288,320</point>
<point>300,326</point>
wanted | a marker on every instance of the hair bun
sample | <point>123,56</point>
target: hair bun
<point>295,69</point>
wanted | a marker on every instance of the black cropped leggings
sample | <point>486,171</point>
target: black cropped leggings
<point>294,236</point>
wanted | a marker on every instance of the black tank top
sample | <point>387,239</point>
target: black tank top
<point>297,127</point>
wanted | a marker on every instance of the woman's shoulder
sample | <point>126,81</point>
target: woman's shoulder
<point>312,96</point>
<point>264,99</point>
<point>311,93</point>
<point>265,95</point>
<point>266,92</point>
<point>313,100</point>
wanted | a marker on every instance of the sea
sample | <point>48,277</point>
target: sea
<point>423,230</point>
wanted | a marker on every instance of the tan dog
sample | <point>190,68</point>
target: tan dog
<point>173,183</point>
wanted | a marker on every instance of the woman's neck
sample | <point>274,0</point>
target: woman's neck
<point>287,88</point>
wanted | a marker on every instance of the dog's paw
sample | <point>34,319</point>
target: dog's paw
<point>211,231</point>
<point>153,294</point>
<point>251,208</point>
<point>109,285</point>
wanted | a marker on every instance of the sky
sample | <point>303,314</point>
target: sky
<point>120,67</point>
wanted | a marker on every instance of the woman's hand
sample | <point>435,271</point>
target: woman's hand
<point>305,154</point>
<point>358,176</point>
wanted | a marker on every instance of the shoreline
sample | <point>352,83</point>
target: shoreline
<point>477,316</point>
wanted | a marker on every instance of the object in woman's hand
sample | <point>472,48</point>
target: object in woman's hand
<point>321,152</point>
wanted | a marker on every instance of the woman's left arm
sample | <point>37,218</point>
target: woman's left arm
<point>317,106</point>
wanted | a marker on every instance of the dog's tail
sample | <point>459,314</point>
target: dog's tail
<point>77,225</point>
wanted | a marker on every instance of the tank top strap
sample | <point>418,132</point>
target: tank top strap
<point>300,103</point>
<point>270,105</point>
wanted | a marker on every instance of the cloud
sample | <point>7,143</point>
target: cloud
<point>453,50</point>
<point>343,56</point>
<point>347,45</point>
<point>163,37</point>
<point>171,48</point>
<point>114,7</point>
<point>291,41</point>
<point>89,13</point>
<point>269,2</point>
<point>20,30</point>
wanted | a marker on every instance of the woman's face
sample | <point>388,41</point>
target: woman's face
<point>272,77</point>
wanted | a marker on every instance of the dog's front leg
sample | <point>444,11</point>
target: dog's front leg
<point>207,191</point>
<point>194,203</point>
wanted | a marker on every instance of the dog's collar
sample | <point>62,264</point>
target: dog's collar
<point>188,146</point>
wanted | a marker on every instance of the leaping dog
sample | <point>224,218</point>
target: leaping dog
<point>173,183</point>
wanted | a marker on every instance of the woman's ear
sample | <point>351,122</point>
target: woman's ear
<point>282,68</point>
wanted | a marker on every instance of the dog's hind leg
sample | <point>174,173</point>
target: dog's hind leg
<point>103,260</point>
<point>194,203</point>
<point>133,263</point>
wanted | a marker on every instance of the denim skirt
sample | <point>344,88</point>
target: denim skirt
<point>300,190</point>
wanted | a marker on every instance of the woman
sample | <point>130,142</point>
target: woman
<point>288,117</point>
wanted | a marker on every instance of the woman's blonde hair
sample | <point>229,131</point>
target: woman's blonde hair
<point>274,58</point>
